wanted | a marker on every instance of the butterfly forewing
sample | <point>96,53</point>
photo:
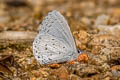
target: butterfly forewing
<point>65,27</point>
<point>58,22</point>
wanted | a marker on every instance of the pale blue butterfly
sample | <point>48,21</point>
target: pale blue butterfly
<point>54,42</point>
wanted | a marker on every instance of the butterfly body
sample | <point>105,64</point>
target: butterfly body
<point>54,42</point>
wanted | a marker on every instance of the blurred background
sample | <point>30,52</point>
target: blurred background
<point>81,14</point>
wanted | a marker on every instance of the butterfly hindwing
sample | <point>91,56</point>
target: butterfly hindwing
<point>51,50</point>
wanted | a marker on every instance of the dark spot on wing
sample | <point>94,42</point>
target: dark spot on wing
<point>42,61</point>
<point>50,54</point>
<point>71,55</point>
<point>45,48</point>
<point>36,41</point>
<point>55,19</point>
<point>63,47</point>
<point>59,52</point>
<point>53,39</point>
<point>47,30</point>
<point>38,56</point>
<point>49,59</point>
<point>39,37</point>
<point>55,60</point>
<point>53,44</point>
<point>36,51</point>
<point>45,44</point>
<point>53,47</point>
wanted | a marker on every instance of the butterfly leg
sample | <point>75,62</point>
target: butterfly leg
<point>54,65</point>
<point>82,57</point>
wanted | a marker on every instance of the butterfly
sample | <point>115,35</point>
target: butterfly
<point>54,42</point>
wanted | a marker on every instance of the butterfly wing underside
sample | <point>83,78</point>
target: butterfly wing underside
<point>54,43</point>
<point>48,50</point>
<point>56,25</point>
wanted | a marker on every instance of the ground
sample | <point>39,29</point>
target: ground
<point>92,22</point>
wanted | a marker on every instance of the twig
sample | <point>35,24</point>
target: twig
<point>8,38</point>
